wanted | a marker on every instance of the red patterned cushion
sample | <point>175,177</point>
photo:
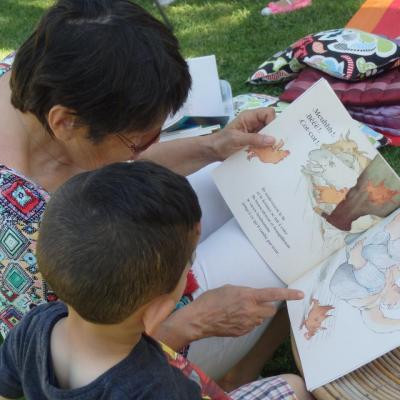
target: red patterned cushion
<point>380,89</point>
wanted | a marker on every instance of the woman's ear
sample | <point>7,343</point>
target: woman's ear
<point>157,311</point>
<point>61,121</point>
<point>197,228</point>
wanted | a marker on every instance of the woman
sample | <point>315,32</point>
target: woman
<point>91,86</point>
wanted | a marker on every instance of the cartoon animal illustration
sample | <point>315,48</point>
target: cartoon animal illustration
<point>316,316</point>
<point>329,170</point>
<point>369,279</point>
<point>380,194</point>
<point>270,154</point>
<point>347,150</point>
<point>347,188</point>
<point>329,195</point>
<point>376,195</point>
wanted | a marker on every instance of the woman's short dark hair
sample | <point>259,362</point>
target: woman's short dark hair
<point>113,239</point>
<point>114,65</point>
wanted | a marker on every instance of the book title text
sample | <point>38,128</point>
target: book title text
<point>315,121</point>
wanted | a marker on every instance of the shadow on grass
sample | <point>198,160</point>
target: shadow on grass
<point>242,39</point>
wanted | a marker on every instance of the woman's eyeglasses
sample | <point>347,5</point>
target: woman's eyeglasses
<point>135,149</point>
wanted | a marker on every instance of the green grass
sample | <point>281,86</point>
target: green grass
<point>234,31</point>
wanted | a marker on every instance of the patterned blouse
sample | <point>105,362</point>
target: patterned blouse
<point>22,204</point>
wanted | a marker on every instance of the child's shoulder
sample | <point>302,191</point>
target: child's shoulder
<point>151,375</point>
<point>38,322</point>
<point>50,312</point>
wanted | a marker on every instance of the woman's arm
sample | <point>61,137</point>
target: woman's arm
<point>186,156</point>
<point>225,311</point>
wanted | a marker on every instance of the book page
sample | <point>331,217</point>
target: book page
<point>351,311</point>
<point>323,180</point>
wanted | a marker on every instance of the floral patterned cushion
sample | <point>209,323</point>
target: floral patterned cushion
<point>347,54</point>
<point>280,67</point>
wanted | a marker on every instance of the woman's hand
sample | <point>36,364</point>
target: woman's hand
<point>236,310</point>
<point>186,156</point>
<point>242,132</point>
<point>225,311</point>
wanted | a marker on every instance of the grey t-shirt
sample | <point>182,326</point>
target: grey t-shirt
<point>26,367</point>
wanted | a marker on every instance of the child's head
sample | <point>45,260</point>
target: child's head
<point>114,239</point>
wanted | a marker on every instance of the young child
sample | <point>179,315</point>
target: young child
<point>116,245</point>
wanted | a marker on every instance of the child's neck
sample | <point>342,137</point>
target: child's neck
<point>82,351</point>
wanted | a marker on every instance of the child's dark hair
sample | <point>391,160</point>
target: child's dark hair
<point>113,239</point>
<point>115,66</point>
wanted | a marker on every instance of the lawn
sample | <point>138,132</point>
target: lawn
<point>232,30</point>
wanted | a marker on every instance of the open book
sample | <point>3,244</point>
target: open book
<point>205,109</point>
<point>304,204</point>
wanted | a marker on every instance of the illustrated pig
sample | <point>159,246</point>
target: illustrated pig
<point>315,317</point>
<point>269,155</point>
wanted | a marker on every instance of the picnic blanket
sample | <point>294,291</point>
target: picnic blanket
<point>378,16</point>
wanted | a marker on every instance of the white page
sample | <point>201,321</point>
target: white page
<point>205,98</point>
<point>187,133</point>
<point>274,202</point>
<point>340,325</point>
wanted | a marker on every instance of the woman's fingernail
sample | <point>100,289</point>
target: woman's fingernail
<point>268,140</point>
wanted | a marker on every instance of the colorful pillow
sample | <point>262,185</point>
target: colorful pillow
<point>350,54</point>
<point>347,54</point>
<point>280,67</point>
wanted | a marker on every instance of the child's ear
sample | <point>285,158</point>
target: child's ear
<point>156,312</point>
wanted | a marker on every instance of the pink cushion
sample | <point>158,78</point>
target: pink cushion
<point>380,89</point>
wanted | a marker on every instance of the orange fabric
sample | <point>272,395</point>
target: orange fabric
<point>369,15</point>
<point>389,24</point>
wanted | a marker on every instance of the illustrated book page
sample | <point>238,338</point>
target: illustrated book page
<point>350,314</point>
<point>322,181</point>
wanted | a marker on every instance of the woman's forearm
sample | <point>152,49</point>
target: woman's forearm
<point>184,156</point>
